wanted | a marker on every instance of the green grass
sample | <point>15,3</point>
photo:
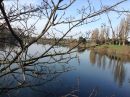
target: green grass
<point>115,46</point>
<point>112,46</point>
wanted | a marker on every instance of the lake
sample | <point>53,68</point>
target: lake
<point>89,74</point>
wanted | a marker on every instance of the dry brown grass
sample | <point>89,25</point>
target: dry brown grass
<point>120,52</point>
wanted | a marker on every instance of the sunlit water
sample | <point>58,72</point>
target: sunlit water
<point>90,75</point>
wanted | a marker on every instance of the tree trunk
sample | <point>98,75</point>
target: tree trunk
<point>119,42</point>
<point>123,42</point>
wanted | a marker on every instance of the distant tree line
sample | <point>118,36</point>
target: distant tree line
<point>82,40</point>
<point>7,37</point>
<point>120,34</point>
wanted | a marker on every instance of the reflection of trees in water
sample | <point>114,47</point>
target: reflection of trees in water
<point>106,62</point>
<point>21,75</point>
<point>81,50</point>
<point>101,62</point>
<point>117,65</point>
<point>33,78</point>
<point>98,59</point>
<point>92,57</point>
<point>119,72</point>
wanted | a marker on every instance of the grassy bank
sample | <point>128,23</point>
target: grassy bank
<point>113,50</point>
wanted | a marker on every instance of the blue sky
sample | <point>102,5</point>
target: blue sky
<point>102,18</point>
<point>72,11</point>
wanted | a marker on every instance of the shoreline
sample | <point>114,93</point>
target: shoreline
<point>114,51</point>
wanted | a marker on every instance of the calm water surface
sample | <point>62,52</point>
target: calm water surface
<point>89,73</point>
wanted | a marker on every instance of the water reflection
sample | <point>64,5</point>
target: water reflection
<point>81,50</point>
<point>43,79</point>
<point>98,73</point>
<point>42,75</point>
<point>92,57</point>
<point>119,72</point>
<point>114,63</point>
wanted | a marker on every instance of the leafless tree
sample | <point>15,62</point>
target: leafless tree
<point>16,18</point>
<point>95,35</point>
<point>104,34</point>
<point>123,30</point>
